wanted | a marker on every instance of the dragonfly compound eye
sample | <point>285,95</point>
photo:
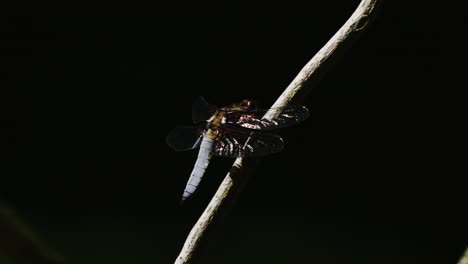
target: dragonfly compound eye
<point>247,104</point>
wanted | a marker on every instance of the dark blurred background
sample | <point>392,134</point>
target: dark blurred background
<point>375,175</point>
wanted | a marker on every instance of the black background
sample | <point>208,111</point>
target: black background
<point>375,175</point>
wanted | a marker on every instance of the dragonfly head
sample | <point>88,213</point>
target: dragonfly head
<point>247,104</point>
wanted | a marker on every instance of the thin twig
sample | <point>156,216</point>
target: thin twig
<point>464,258</point>
<point>19,244</point>
<point>304,82</point>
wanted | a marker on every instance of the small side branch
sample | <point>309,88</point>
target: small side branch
<point>464,258</point>
<point>304,82</point>
<point>19,244</point>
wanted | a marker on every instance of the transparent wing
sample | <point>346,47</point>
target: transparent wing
<point>184,138</point>
<point>202,110</point>
<point>237,142</point>
<point>253,119</point>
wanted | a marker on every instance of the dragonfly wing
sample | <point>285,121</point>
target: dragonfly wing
<point>202,110</point>
<point>184,138</point>
<point>253,119</point>
<point>237,142</point>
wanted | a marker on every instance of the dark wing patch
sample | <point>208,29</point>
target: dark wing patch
<point>253,119</point>
<point>236,142</point>
<point>184,138</point>
<point>202,110</point>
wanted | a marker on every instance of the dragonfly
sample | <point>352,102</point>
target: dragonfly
<point>236,130</point>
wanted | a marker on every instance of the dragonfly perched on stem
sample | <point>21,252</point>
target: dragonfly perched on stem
<point>237,130</point>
